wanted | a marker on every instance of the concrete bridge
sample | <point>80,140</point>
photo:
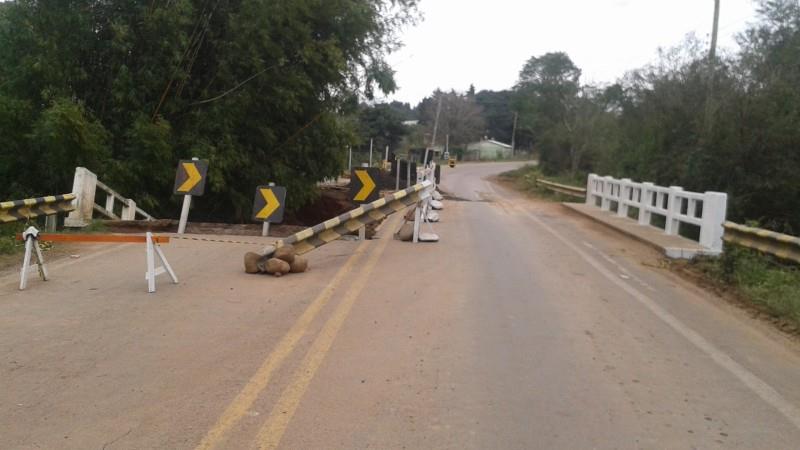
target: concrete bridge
<point>526,326</point>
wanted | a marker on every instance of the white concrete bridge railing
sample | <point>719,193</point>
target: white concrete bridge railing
<point>85,186</point>
<point>706,211</point>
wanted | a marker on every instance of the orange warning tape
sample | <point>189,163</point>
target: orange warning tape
<point>98,238</point>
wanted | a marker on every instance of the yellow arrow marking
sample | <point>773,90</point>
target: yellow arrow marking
<point>272,204</point>
<point>367,185</point>
<point>194,177</point>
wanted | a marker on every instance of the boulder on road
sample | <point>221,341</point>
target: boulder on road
<point>299,265</point>
<point>406,232</point>
<point>251,262</point>
<point>285,253</point>
<point>277,267</point>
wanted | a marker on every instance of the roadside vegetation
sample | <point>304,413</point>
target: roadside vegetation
<point>524,180</point>
<point>8,232</point>
<point>264,90</point>
<point>768,284</point>
<point>8,244</point>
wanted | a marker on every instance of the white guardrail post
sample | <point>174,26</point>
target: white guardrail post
<point>84,187</point>
<point>624,197</point>
<point>607,190</point>
<point>645,203</point>
<point>128,209</point>
<point>590,189</point>
<point>673,208</point>
<point>712,230</point>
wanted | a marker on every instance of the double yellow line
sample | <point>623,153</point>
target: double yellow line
<point>276,423</point>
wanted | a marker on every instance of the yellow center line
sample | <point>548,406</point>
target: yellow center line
<point>275,426</point>
<point>245,399</point>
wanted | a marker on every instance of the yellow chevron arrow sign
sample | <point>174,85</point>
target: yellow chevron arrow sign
<point>269,204</point>
<point>367,185</point>
<point>192,180</point>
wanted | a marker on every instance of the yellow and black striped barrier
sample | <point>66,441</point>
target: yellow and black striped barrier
<point>783,246</point>
<point>331,230</point>
<point>30,208</point>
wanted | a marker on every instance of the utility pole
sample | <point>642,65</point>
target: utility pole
<point>514,134</point>
<point>370,153</point>
<point>436,122</point>
<point>712,55</point>
<point>712,69</point>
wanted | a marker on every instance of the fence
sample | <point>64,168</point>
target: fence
<point>85,187</point>
<point>705,211</point>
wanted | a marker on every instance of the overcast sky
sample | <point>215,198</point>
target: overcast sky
<point>486,42</point>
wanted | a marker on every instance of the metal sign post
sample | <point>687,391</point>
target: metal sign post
<point>370,153</point>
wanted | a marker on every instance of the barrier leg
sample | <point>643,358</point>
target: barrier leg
<point>417,220</point>
<point>26,264</point>
<point>165,263</point>
<point>151,264</point>
<point>40,261</point>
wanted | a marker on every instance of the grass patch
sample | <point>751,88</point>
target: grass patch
<point>758,279</point>
<point>8,231</point>
<point>97,226</point>
<point>524,180</point>
<point>8,244</point>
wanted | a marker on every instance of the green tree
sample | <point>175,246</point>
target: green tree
<point>382,123</point>
<point>498,113</point>
<point>460,118</point>
<point>261,88</point>
<point>546,97</point>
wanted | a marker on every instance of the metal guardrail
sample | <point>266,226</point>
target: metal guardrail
<point>30,208</point>
<point>781,245</point>
<point>330,230</point>
<point>573,191</point>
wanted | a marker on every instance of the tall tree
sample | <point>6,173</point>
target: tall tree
<point>460,118</point>
<point>382,123</point>
<point>258,87</point>
<point>546,98</point>
<point>498,113</point>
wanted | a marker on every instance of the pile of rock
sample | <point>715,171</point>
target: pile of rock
<point>284,260</point>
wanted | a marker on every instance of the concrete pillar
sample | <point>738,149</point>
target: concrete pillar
<point>590,186</point>
<point>83,187</point>
<point>129,210</point>
<point>715,205</point>
<point>646,203</point>
<point>608,188</point>
<point>673,205</point>
<point>624,196</point>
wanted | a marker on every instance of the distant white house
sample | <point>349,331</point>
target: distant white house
<point>411,123</point>
<point>487,149</point>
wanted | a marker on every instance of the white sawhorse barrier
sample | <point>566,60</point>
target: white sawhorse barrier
<point>31,236</point>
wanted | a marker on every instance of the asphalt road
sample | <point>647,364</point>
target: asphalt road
<point>524,327</point>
